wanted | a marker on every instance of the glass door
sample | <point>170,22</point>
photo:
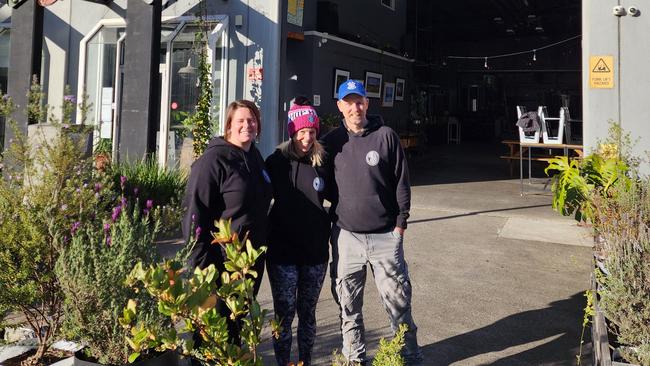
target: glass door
<point>183,61</point>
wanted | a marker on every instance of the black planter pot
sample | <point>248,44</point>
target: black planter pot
<point>164,359</point>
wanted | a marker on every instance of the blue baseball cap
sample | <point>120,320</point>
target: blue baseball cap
<point>351,87</point>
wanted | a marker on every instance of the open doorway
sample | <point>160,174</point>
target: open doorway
<point>476,61</point>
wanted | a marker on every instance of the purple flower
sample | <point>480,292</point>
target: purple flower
<point>116,213</point>
<point>78,190</point>
<point>193,218</point>
<point>149,204</point>
<point>98,187</point>
<point>135,191</point>
<point>197,232</point>
<point>75,227</point>
<point>122,181</point>
<point>65,126</point>
<point>107,227</point>
<point>123,201</point>
<point>70,98</point>
<point>108,241</point>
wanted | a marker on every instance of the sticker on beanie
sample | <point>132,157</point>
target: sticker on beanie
<point>266,176</point>
<point>372,158</point>
<point>319,184</point>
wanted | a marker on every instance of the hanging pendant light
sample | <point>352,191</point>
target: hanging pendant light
<point>188,69</point>
<point>534,55</point>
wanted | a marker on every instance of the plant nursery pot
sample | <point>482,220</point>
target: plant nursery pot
<point>168,358</point>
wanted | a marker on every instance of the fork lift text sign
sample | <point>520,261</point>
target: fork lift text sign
<point>601,72</point>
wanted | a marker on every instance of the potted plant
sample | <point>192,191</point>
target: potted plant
<point>188,298</point>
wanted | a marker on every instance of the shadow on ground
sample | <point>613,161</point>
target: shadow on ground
<point>554,327</point>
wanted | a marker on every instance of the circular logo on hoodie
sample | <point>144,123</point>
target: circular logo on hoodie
<point>372,158</point>
<point>319,184</point>
<point>266,176</point>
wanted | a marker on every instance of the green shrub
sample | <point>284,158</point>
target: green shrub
<point>624,224</point>
<point>189,298</point>
<point>389,353</point>
<point>43,193</point>
<point>577,183</point>
<point>144,181</point>
<point>92,268</point>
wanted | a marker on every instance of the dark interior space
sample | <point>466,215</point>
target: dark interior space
<point>477,60</point>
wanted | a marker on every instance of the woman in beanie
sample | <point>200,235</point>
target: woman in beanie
<point>299,230</point>
<point>229,181</point>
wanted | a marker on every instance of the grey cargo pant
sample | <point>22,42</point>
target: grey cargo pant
<point>351,252</point>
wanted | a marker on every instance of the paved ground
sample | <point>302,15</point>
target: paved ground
<point>497,278</point>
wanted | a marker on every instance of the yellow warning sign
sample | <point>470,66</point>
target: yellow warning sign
<point>601,72</point>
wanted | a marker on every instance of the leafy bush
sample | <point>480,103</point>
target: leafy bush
<point>189,299</point>
<point>578,182</point>
<point>389,353</point>
<point>42,195</point>
<point>91,268</point>
<point>164,187</point>
<point>624,223</point>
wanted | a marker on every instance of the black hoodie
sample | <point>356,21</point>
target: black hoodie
<point>226,182</point>
<point>299,225</point>
<point>371,175</point>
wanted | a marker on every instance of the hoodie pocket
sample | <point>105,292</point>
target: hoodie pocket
<point>364,213</point>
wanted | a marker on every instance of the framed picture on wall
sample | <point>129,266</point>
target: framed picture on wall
<point>399,89</point>
<point>340,76</point>
<point>389,95</point>
<point>373,84</point>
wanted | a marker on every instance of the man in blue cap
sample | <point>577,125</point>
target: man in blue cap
<point>371,205</point>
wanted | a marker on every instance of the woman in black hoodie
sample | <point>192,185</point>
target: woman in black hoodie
<point>229,181</point>
<point>299,231</point>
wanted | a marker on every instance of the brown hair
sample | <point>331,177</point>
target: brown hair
<point>230,112</point>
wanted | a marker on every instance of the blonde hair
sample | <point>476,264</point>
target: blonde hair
<point>315,155</point>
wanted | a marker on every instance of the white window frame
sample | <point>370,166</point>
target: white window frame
<point>391,6</point>
<point>220,29</point>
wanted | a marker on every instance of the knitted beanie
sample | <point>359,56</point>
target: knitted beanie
<point>302,116</point>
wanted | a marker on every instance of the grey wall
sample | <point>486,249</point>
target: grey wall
<point>373,21</point>
<point>65,24</point>
<point>627,102</point>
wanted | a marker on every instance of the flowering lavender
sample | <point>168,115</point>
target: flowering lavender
<point>107,227</point>
<point>116,213</point>
<point>122,181</point>
<point>135,191</point>
<point>197,232</point>
<point>98,187</point>
<point>75,226</point>
<point>70,98</point>
<point>148,207</point>
<point>108,241</point>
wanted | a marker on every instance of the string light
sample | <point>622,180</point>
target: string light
<point>534,51</point>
